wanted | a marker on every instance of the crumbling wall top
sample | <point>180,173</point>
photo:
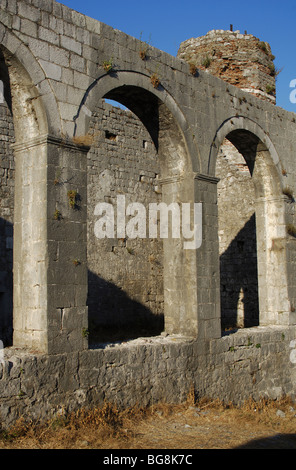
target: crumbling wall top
<point>240,59</point>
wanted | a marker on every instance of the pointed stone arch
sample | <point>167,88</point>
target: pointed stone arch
<point>156,108</point>
<point>265,169</point>
<point>177,152</point>
<point>33,91</point>
<point>36,121</point>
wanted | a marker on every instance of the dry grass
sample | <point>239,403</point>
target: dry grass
<point>205,424</point>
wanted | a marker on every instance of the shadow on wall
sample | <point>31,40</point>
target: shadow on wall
<point>239,280</point>
<point>6,282</point>
<point>113,316</point>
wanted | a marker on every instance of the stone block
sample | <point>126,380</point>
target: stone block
<point>59,56</point>
<point>29,12</point>
<point>47,35</point>
<point>77,63</point>
<point>71,45</point>
<point>29,28</point>
<point>46,5</point>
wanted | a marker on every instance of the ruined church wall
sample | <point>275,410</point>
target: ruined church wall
<point>68,50</point>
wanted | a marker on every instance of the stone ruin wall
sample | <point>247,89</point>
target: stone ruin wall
<point>125,276</point>
<point>254,362</point>
<point>237,240</point>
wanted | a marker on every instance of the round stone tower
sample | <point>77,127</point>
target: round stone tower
<point>239,59</point>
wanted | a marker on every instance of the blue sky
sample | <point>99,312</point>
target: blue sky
<point>167,23</point>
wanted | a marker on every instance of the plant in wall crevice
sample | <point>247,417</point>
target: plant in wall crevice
<point>108,65</point>
<point>73,198</point>
<point>85,332</point>
<point>144,45</point>
<point>206,62</point>
<point>192,69</point>
<point>155,80</point>
<point>270,89</point>
<point>57,215</point>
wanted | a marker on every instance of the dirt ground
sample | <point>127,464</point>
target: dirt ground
<point>202,425</point>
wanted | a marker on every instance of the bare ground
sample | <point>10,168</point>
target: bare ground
<point>202,425</point>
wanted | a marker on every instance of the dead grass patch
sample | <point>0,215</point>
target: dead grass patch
<point>195,424</point>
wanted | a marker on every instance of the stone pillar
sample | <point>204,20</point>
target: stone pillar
<point>50,272</point>
<point>207,260</point>
<point>179,266</point>
<point>272,263</point>
<point>192,276</point>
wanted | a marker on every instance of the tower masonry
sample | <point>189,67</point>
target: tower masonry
<point>239,59</point>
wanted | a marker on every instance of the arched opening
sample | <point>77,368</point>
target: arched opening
<point>237,240</point>
<point>252,232</point>
<point>125,275</point>
<point>7,178</point>
<point>21,118</point>
<point>137,287</point>
<point>26,227</point>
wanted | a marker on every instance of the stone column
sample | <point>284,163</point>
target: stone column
<point>179,266</point>
<point>192,276</point>
<point>272,261</point>
<point>50,272</point>
<point>207,260</point>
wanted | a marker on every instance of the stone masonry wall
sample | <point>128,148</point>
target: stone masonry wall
<point>63,52</point>
<point>246,62</point>
<point>256,362</point>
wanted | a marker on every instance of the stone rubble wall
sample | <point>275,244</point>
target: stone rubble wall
<point>254,363</point>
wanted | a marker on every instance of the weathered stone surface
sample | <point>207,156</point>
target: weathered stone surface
<point>58,135</point>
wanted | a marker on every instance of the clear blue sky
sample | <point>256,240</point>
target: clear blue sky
<point>168,23</point>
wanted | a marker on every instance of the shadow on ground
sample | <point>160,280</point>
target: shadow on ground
<point>279,441</point>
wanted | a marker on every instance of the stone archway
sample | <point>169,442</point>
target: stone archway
<point>38,131</point>
<point>168,130</point>
<point>264,166</point>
